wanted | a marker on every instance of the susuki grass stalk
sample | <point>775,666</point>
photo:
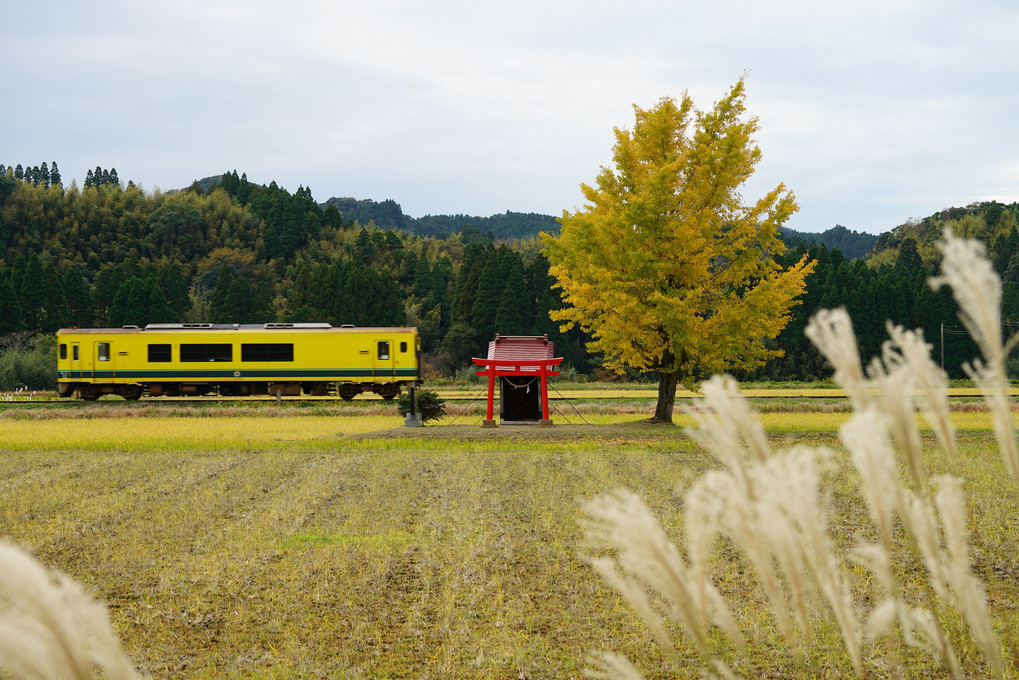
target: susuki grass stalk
<point>646,558</point>
<point>49,628</point>
<point>895,403</point>
<point>608,666</point>
<point>888,407</point>
<point>770,504</point>
<point>968,594</point>
<point>908,349</point>
<point>977,289</point>
<point>831,331</point>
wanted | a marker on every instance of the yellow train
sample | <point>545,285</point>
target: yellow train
<point>280,359</point>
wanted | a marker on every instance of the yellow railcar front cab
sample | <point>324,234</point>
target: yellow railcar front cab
<point>237,360</point>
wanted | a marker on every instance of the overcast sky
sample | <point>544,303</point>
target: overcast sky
<point>872,114</point>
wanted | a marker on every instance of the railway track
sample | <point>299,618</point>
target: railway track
<point>448,395</point>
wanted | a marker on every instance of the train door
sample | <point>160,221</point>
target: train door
<point>76,361</point>
<point>384,359</point>
<point>405,353</point>
<point>103,365</point>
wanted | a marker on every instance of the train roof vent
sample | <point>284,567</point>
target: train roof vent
<point>168,326</point>
<point>298,325</point>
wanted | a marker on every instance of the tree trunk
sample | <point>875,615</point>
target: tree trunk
<point>667,383</point>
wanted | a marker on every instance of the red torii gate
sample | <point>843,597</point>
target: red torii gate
<point>518,355</point>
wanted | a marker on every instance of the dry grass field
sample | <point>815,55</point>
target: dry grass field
<point>278,543</point>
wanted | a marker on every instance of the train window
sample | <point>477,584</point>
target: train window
<point>63,351</point>
<point>258,351</point>
<point>403,348</point>
<point>159,353</point>
<point>74,352</point>
<point>207,352</point>
<point>383,350</point>
<point>103,351</point>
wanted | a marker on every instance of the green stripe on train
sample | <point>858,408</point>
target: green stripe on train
<point>248,374</point>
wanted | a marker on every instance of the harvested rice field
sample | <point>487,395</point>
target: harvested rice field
<point>246,542</point>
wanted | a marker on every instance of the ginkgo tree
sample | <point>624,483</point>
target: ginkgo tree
<point>666,266</point>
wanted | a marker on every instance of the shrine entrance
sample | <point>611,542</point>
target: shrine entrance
<point>519,399</point>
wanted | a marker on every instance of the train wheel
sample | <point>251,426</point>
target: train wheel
<point>89,395</point>
<point>347,392</point>
<point>388,391</point>
<point>131,392</point>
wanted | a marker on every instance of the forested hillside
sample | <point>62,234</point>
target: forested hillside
<point>853,244</point>
<point>890,283</point>
<point>110,254</point>
<point>989,221</point>
<point>389,215</point>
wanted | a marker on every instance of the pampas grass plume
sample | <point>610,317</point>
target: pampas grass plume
<point>49,628</point>
<point>831,331</point>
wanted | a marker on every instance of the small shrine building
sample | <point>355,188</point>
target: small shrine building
<point>522,364</point>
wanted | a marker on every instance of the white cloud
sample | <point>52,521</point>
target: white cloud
<point>871,113</point>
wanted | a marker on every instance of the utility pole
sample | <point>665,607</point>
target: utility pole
<point>942,346</point>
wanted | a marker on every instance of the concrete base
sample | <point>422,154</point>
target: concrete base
<point>488,423</point>
<point>545,423</point>
<point>413,420</point>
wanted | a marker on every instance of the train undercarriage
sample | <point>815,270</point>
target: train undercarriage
<point>345,390</point>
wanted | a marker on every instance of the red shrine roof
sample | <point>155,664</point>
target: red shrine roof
<point>521,348</point>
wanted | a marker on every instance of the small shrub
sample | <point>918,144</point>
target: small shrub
<point>467,375</point>
<point>34,369</point>
<point>430,405</point>
<point>568,374</point>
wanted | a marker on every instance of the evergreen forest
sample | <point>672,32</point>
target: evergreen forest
<point>227,250</point>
